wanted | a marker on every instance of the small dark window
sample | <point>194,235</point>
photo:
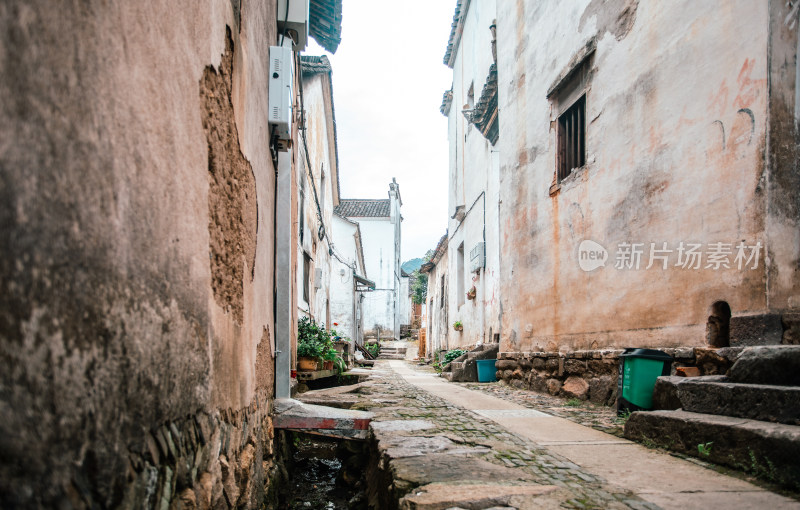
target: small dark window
<point>306,276</point>
<point>441,293</point>
<point>718,332</point>
<point>572,138</point>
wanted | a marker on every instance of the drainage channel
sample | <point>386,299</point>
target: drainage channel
<point>325,473</point>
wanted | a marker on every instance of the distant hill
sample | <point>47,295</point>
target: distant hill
<point>412,265</point>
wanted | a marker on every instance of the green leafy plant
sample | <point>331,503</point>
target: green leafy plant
<point>457,325</point>
<point>574,402</point>
<point>313,341</point>
<point>453,354</point>
<point>373,349</point>
<point>340,365</point>
<point>622,417</point>
<point>704,449</point>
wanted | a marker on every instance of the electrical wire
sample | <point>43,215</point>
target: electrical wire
<point>322,232</point>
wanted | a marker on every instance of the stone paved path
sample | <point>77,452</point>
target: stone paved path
<point>395,398</point>
<point>452,445</point>
<point>591,468</point>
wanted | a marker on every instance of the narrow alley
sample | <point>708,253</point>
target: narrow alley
<point>418,255</point>
<point>443,445</point>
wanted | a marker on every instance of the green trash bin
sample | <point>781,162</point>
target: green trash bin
<point>486,370</point>
<point>638,371</point>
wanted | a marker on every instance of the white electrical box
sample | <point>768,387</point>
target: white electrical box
<point>318,278</point>
<point>281,79</point>
<point>296,19</point>
<point>477,259</point>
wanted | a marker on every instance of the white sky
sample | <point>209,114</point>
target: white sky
<point>388,81</point>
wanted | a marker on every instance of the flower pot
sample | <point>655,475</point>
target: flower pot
<point>306,364</point>
<point>328,365</point>
<point>458,328</point>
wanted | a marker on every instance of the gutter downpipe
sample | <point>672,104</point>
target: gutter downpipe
<point>283,284</point>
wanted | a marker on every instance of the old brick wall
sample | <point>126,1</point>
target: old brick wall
<point>137,192</point>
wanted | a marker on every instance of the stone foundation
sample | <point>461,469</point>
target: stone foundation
<point>219,460</point>
<point>592,375</point>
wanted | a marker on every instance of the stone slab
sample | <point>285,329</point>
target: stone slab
<point>771,449</point>
<point>756,330</point>
<point>402,425</point>
<point>296,415</point>
<point>753,401</point>
<point>440,496</point>
<point>443,467</point>
<point>401,446</point>
<point>711,498</point>
<point>773,364</point>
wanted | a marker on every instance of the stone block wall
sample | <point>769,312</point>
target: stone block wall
<point>219,460</point>
<point>592,374</point>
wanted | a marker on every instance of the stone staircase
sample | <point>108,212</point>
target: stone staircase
<point>464,368</point>
<point>748,419</point>
<point>390,351</point>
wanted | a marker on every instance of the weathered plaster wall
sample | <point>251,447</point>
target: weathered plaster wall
<point>783,175</point>
<point>676,137</point>
<point>438,326</point>
<point>378,239</point>
<point>317,102</point>
<point>474,182</point>
<point>137,270</point>
<point>344,299</point>
<point>404,302</point>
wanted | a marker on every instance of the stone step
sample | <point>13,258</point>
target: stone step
<point>391,356</point>
<point>717,395</point>
<point>389,350</point>
<point>768,364</point>
<point>768,450</point>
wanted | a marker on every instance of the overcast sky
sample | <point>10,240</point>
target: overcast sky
<point>388,81</point>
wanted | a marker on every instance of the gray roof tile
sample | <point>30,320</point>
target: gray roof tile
<point>363,208</point>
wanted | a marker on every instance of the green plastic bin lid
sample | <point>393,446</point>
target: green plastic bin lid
<point>632,352</point>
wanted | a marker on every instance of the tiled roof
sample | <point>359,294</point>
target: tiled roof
<point>310,64</point>
<point>484,116</point>
<point>455,32</point>
<point>363,208</point>
<point>325,24</point>
<point>441,249</point>
<point>447,101</point>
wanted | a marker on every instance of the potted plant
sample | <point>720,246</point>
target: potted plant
<point>328,359</point>
<point>458,326</point>
<point>471,293</point>
<point>310,346</point>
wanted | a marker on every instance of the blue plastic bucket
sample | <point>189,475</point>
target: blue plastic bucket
<point>486,370</point>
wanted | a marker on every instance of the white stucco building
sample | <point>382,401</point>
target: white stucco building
<point>318,192</point>
<point>470,106</point>
<point>379,222</point>
<point>348,283</point>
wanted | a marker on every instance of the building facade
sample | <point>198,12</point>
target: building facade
<point>639,167</point>
<point>437,327</point>
<point>349,282</point>
<point>318,191</point>
<point>614,187</point>
<point>470,105</point>
<point>379,221</point>
<point>685,190</point>
<point>139,247</point>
